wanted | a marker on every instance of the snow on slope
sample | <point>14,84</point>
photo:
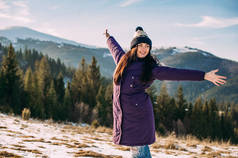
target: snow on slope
<point>34,138</point>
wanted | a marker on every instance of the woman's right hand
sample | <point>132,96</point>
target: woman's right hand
<point>106,34</point>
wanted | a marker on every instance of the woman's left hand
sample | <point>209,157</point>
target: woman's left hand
<point>216,79</point>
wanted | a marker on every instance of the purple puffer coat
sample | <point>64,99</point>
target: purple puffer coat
<point>133,117</point>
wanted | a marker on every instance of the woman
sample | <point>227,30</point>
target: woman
<point>133,118</point>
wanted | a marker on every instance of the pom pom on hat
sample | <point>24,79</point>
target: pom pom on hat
<point>139,28</point>
<point>140,37</point>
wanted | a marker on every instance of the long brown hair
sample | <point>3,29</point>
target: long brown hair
<point>128,58</point>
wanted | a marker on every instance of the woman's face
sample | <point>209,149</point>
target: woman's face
<point>142,50</point>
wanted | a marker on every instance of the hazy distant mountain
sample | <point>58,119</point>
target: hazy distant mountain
<point>13,33</point>
<point>187,57</point>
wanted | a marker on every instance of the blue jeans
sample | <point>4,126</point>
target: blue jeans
<point>140,151</point>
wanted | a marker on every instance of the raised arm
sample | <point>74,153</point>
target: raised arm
<point>114,48</point>
<point>169,73</point>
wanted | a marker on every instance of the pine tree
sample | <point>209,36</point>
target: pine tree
<point>68,104</point>
<point>59,88</point>
<point>206,125</point>
<point>28,83</point>
<point>215,131</point>
<point>51,103</point>
<point>151,91</point>
<point>44,76</point>
<point>100,109</point>
<point>29,88</point>
<point>94,80</point>
<point>196,118</point>
<point>79,83</point>
<point>164,110</point>
<point>38,108</point>
<point>11,80</point>
<point>108,100</point>
<point>180,103</point>
<point>2,87</point>
<point>44,80</point>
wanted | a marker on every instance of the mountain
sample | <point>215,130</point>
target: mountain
<point>186,57</point>
<point>204,61</point>
<point>17,32</point>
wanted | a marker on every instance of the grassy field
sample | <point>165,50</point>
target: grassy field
<point>35,138</point>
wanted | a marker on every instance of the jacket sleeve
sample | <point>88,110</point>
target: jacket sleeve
<point>169,73</point>
<point>115,49</point>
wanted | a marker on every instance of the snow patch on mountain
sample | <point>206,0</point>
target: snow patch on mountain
<point>105,54</point>
<point>182,50</point>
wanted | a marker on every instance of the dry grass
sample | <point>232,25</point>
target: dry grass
<point>3,127</point>
<point>192,145</point>
<point>96,138</point>
<point>88,129</point>
<point>157,146</point>
<point>207,149</point>
<point>18,146</point>
<point>26,137</point>
<point>63,140</point>
<point>15,132</point>
<point>94,154</point>
<point>171,145</point>
<point>28,150</point>
<point>192,140</point>
<point>102,129</point>
<point>81,145</point>
<point>75,145</point>
<point>7,154</point>
<point>24,126</point>
<point>100,139</point>
<point>36,140</point>
<point>123,148</point>
<point>16,120</point>
<point>213,154</point>
<point>88,141</point>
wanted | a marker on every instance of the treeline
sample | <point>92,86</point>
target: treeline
<point>88,98</point>
<point>203,118</point>
<point>30,58</point>
<point>41,88</point>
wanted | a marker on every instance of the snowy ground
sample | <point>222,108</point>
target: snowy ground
<point>34,138</point>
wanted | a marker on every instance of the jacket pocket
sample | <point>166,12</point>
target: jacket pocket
<point>139,101</point>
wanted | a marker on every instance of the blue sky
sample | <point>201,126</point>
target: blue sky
<point>210,25</point>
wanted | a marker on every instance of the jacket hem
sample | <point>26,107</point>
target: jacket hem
<point>135,144</point>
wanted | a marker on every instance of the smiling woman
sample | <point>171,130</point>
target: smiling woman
<point>142,50</point>
<point>133,116</point>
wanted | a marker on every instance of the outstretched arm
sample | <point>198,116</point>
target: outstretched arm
<point>115,49</point>
<point>216,79</point>
<point>169,73</point>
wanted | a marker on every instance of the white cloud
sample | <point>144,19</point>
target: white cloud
<point>129,2</point>
<point>211,22</point>
<point>48,29</point>
<point>15,10</point>
<point>3,5</point>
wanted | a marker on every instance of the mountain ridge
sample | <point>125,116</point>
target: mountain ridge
<point>21,32</point>
<point>187,57</point>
